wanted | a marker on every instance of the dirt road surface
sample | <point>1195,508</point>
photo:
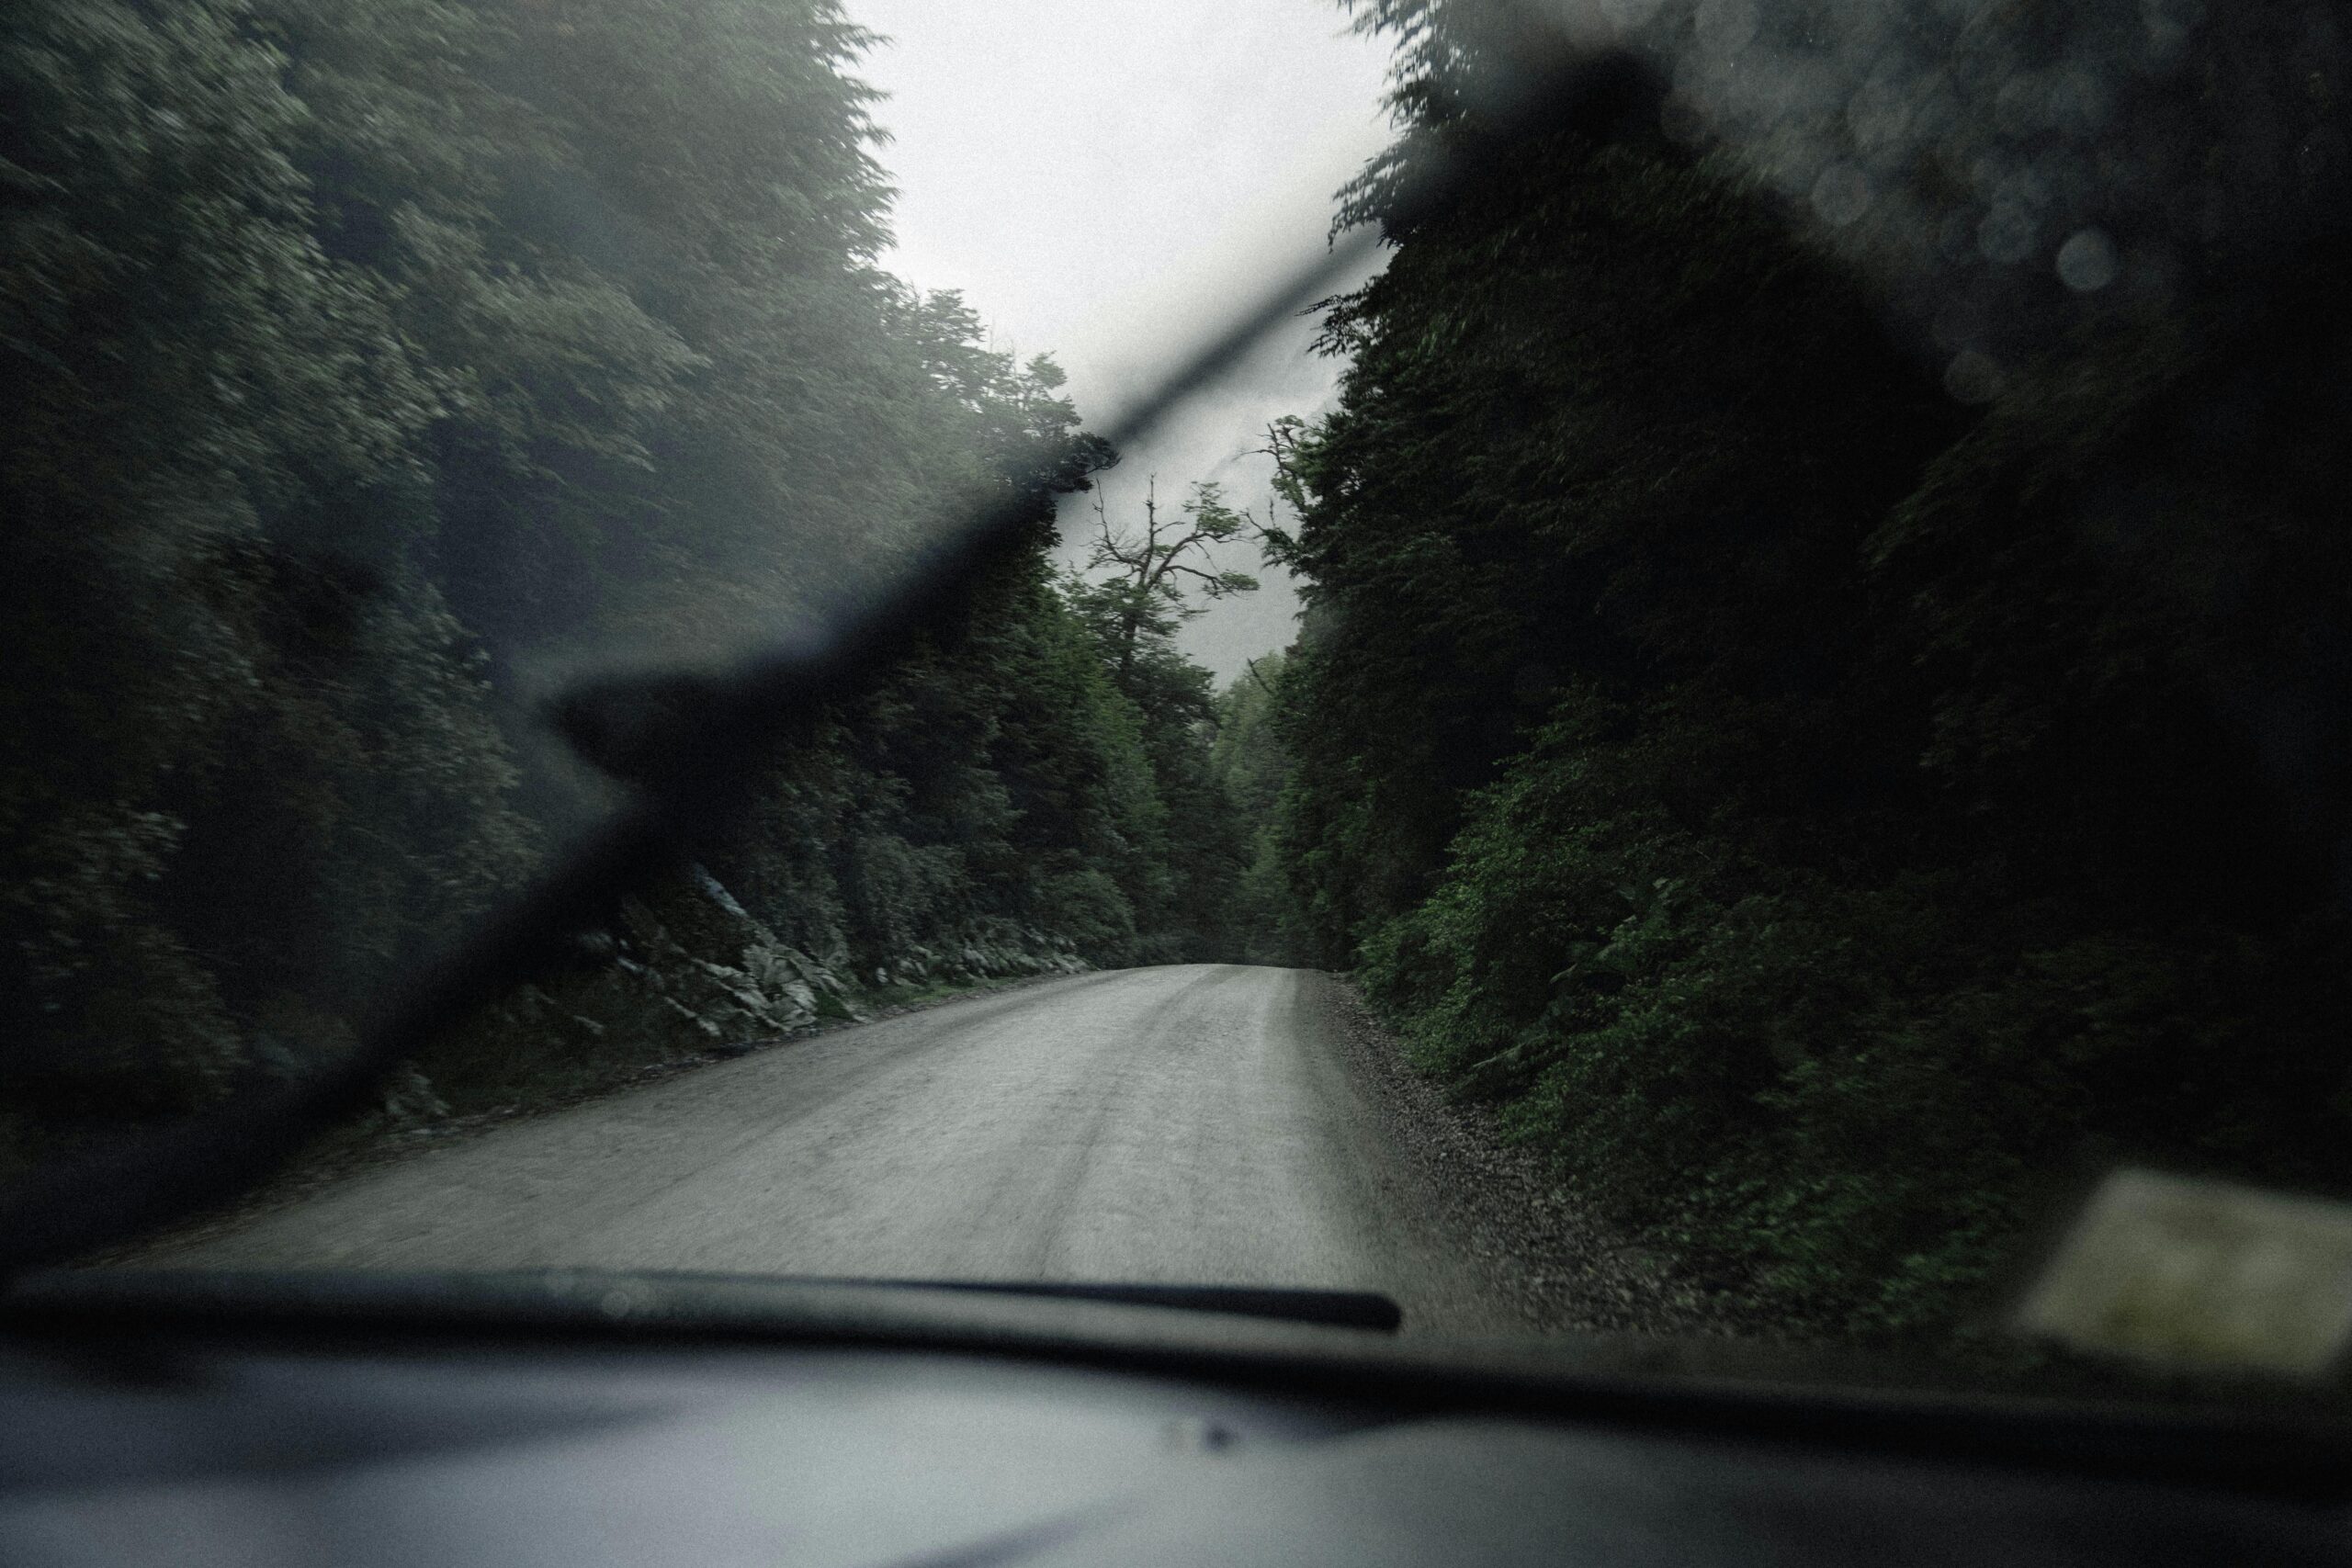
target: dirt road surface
<point>1189,1123</point>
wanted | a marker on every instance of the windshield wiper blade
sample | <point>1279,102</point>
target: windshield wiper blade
<point>550,1297</point>
<point>1338,1309</point>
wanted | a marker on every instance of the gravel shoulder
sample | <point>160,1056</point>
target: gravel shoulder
<point>1560,1268</point>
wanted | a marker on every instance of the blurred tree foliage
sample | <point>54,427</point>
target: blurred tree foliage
<point>1251,764</point>
<point>1821,813</point>
<point>370,365</point>
<point>1145,590</point>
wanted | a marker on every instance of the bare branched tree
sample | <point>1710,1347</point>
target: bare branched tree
<point>1148,575</point>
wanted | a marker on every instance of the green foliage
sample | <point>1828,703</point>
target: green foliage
<point>196,692</point>
<point>1131,613</point>
<point>1143,599</point>
<point>1822,822</point>
<point>371,366</point>
<point>998,780</point>
<point>1249,763</point>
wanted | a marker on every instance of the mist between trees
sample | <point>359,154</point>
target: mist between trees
<point>1830,713</point>
<point>372,366</point>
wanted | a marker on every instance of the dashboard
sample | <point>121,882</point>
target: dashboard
<point>589,1420</point>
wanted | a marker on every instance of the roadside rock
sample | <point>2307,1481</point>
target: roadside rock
<point>685,973</point>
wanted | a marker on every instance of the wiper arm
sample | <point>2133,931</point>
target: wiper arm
<point>553,1298</point>
<point>1338,1309</point>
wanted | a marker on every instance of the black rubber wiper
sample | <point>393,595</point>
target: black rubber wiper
<point>1338,1309</point>
<point>106,1319</point>
<point>556,1298</point>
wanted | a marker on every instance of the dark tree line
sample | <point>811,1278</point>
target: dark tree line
<point>371,367</point>
<point>1828,711</point>
<point>1824,796</point>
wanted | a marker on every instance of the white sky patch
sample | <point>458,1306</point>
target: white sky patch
<point>1110,181</point>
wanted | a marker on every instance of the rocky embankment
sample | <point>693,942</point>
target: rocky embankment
<point>685,974</point>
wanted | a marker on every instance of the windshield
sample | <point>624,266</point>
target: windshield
<point>1620,665</point>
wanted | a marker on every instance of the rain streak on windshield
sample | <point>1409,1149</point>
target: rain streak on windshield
<point>1735,685</point>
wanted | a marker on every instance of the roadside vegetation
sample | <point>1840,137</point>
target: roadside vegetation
<point>1826,703</point>
<point>374,369</point>
<point>1823,802</point>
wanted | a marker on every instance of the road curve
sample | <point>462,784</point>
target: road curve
<point>1187,1124</point>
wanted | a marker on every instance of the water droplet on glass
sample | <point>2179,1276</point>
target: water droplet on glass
<point>2006,234</point>
<point>1627,15</point>
<point>2021,106</point>
<point>2078,102</point>
<point>2086,263</point>
<point>1877,112</point>
<point>1841,195</point>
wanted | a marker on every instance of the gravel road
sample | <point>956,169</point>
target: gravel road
<point>1187,1124</point>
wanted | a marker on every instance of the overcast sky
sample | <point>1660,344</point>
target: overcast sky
<point>1109,181</point>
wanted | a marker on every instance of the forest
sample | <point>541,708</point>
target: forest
<point>1829,801</point>
<point>1820,697</point>
<point>373,370</point>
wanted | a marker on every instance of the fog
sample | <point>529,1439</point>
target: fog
<point>1109,184</point>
